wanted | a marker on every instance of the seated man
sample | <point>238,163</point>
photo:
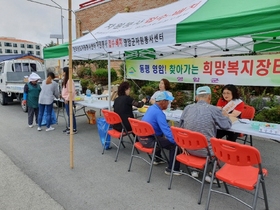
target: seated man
<point>157,119</point>
<point>204,118</point>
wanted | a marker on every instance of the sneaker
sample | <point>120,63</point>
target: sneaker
<point>74,131</point>
<point>208,179</point>
<point>176,173</point>
<point>39,129</point>
<point>30,126</point>
<point>50,128</point>
<point>158,161</point>
<point>195,174</point>
<point>67,129</point>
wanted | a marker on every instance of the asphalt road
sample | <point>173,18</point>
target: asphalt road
<point>35,173</point>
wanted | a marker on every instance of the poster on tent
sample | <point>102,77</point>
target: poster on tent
<point>263,70</point>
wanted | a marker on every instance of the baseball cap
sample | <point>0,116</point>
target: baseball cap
<point>164,96</point>
<point>203,90</point>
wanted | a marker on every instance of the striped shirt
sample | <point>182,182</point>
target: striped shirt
<point>204,118</point>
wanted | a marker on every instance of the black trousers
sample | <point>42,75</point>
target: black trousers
<point>231,136</point>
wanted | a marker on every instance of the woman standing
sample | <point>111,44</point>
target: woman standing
<point>123,106</point>
<point>231,104</point>
<point>65,95</point>
<point>48,93</point>
<point>164,85</point>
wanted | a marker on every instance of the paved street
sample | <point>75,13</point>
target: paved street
<point>35,173</point>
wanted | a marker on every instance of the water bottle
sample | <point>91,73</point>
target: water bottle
<point>88,92</point>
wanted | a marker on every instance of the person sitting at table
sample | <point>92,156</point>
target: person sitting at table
<point>231,104</point>
<point>164,85</point>
<point>123,106</point>
<point>157,119</point>
<point>204,118</point>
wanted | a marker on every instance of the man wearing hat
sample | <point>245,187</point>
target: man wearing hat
<point>31,96</point>
<point>157,119</point>
<point>204,118</point>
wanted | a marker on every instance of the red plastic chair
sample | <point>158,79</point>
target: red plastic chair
<point>113,118</point>
<point>190,140</point>
<point>242,169</point>
<point>247,113</point>
<point>143,129</point>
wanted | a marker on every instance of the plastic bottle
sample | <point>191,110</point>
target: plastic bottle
<point>88,92</point>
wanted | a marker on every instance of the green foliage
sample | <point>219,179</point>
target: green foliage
<point>148,90</point>
<point>91,86</point>
<point>180,100</point>
<point>100,76</point>
<point>85,72</point>
<point>271,115</point>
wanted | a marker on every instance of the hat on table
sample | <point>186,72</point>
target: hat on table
<point>34,77</point>
<point>203,90</point>
<point>164,96</point>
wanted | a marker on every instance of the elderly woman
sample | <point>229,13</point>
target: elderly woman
<point>123,106</point>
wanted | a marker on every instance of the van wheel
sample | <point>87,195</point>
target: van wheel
<point>3,98</point>
<point>23,106</point>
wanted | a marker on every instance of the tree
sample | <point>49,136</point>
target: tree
<point>50,44</point>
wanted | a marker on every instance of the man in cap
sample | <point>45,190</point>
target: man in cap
<point>157,119</point>
<point>31,93</point>
<point>204,118</point>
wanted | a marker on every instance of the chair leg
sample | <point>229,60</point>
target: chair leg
<point>203,181</point>
<point>151,164</point>
<point>211,184</point>
<point>131,157</point>
<point>118,148</point>
<point>172,169</point>
<point>264,193</point>
<point>105,140</point>
<point>256,193</point>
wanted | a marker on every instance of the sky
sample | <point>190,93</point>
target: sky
<point>23,19</point>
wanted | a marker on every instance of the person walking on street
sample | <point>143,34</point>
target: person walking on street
<point>30,98</point>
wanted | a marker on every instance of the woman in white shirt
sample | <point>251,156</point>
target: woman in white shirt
<point>164,85</point>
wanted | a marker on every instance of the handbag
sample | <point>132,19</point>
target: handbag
<point>53,118</point>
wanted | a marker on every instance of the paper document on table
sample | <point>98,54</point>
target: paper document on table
<point>174,114</point>
<point>233,119</point>
<point>246,121</point>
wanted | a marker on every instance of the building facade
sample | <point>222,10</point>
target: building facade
<point>94,13</point>
<point>10,46</point>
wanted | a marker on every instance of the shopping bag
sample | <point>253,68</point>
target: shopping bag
<point>53,118</point>
<point>102,127</point>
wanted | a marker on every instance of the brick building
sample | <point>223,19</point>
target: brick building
<point>94,13</point>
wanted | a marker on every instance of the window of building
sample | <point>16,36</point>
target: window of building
<point>22,52</point>
<point>22,45</point>
<point>0,44</point>
<point>15,51</point>
<point>8,51</point>
<point>30,52</point>
<point>7,44</point>
<point>1,51</point>
<point>37,47</point>
<point>38,53</point>
<point>29,46</point>
<point>15,45</point>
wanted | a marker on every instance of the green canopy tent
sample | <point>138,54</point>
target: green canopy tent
<point>188,28</point>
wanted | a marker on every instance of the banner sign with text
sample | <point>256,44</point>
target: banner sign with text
<point>263,70</point>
